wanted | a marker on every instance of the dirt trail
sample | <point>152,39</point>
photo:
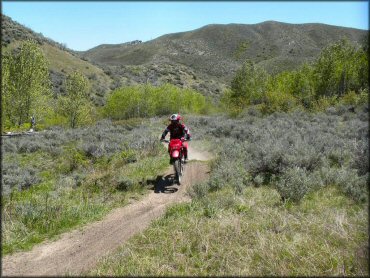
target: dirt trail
<point>79,250</point>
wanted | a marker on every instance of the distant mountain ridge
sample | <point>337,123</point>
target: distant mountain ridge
<point>204,59</point>
<point>214,52</point>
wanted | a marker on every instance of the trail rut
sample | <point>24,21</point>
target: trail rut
<point>79,250</point>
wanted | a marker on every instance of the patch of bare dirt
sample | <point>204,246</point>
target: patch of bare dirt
<point>195,154</point>
<point>79,250</point>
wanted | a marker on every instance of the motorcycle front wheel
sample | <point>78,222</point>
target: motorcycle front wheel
<point>178,170</point>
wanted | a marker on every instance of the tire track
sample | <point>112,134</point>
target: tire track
<point>79,250</point>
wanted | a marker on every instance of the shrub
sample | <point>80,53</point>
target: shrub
<point>9,146</point>
<point>348,180</point>
<point>298,152</point>
<point>123,183</point>
<point>16,177</point>
<point>29,146</point>
<point>294,184</point>
<point>199,190</point>
<point>278,101</point>
<point>350,98</point>
<point>73,150</point>
<point>128,156</point>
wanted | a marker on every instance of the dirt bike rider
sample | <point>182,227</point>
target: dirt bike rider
<point>177,130</point>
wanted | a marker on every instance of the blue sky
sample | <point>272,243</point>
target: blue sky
<point>83,25</point>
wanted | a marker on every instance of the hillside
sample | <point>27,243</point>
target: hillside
<point>207,58</point>
<point>61,59</point>
<point>204,59</point>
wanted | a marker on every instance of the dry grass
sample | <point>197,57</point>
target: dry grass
<point>60,59</point>
<point>250,234</point>
<point>66,185</point>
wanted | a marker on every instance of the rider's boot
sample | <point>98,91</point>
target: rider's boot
<point>186,156</point>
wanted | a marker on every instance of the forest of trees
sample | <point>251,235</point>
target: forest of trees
<point>148,101</point>
<point>27,92</point>
<point>338,76</point>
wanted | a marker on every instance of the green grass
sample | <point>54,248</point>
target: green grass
<point>254,233</point>
<point>22,128</point>
<point>44,212</point>
<point>58,205</point>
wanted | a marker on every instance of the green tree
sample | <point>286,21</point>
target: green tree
<point>147,101</point>
<point>299,83</point>
<point>362,68</point>
<point>341,71</point>
<point>304,85</point>
<point>248,85</point>
<point>25,83</point>
<point>5,96</point>
<point>75,104</point>
<point>340,68</point>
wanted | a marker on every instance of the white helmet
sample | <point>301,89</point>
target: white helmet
<point>175,117</point>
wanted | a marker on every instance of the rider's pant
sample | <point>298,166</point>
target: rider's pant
<point>185,144</point>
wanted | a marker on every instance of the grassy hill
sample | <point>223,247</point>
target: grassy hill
<point>204,59</point>
<point>61,59</point>
<point>207,58</point>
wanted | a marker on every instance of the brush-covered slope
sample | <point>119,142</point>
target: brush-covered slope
<point>204,59</point>
<point>61,60</point>
<point>213,53</point>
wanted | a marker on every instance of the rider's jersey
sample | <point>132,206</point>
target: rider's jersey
<point>177,131</point>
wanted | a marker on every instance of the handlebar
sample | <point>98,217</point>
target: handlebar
<point>168,141</point>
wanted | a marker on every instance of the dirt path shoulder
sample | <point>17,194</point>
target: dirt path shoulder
<point>79,250</point>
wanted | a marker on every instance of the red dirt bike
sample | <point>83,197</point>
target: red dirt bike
<point>176,151</point>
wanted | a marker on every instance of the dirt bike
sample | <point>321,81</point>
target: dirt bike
<point>176,151</point>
